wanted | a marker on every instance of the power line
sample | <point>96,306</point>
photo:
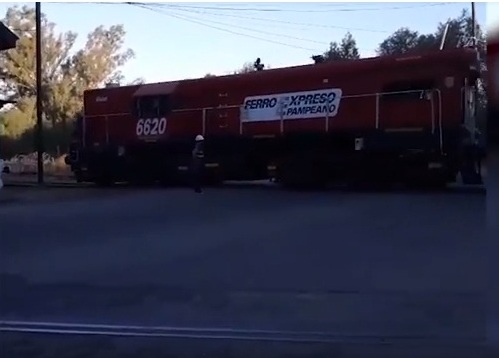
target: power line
<point>226,30</point>
<point>280,21</point>
<point>265,32</point>
<point>325,44</point>
<point>160,8</point>
<point>203,23</point>
<point>221,8</point>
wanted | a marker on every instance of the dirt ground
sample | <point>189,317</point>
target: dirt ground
<point>32,178</point>
<point>32,195</point>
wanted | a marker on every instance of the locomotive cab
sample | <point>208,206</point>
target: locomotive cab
<point>150,108</point>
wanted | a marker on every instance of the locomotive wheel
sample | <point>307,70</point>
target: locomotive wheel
<point>140,178</point>
<point>213,178</point>
<point>104,181</point>
<point>430,181</point>
<point>78,176</point>
<point>302,176</point>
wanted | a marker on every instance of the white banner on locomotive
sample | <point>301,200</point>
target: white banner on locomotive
<point>292,105</point>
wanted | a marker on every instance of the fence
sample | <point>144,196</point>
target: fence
<point>26,164</point>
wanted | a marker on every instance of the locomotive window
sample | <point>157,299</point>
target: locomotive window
<point>404,90</point>
<point>164,105</point>
<point>151,106</point>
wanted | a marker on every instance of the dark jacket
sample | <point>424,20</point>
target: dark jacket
<point>198,157</point>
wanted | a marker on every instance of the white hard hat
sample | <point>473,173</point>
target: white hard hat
<point>199,138</point>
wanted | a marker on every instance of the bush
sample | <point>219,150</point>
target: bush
<point>55,139</point>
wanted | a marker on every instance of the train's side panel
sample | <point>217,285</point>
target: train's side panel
<point>184,124</point>
<point>108,117</point>
<point>232,93</point>
<point>108,101</point>
<point>357,106</point>
<point>358,83</point>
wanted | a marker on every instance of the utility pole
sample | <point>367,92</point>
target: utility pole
<point>473,22</point>
<point>39,108</point>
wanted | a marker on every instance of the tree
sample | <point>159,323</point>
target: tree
<point>404,40</point>
<point>247,68</point>
<point>345,50</point>
<point>458,35</point>
<point>64,76</point>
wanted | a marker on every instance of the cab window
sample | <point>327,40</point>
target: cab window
<point>151,106</point>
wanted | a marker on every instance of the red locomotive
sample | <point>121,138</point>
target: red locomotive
<point>493,88</point>
<point>409,117</point>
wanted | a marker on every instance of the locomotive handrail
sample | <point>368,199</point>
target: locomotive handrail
<point>327,121</point>
<point>204,122</point>
<point>378,96</point>
<point>343,97</point>
<point>239,105</point>
<point>440,126</point>
<point>432,105</point>
<point>240,121</point>
<point>377,111</point>
<point>281,123</point>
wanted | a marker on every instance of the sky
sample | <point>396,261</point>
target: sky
<point>187,40</point>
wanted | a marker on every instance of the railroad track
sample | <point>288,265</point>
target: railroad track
<point>33,184</point>
<point>218,333</point>
<point>451,189</point>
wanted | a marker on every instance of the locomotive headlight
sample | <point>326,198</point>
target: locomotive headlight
<point>121,151</point>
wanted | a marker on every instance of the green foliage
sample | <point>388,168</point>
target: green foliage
<point>345,50</point>
<point>64,76</point>
<point>458,35</point>
<point>246,68</point>
<point>404,40</point>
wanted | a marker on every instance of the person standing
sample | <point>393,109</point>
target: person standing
<point>197,164</point>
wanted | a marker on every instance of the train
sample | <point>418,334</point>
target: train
<point>408,118</point>
<point>493,86</point>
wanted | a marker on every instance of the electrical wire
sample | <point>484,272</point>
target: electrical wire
<point>325,44</point>
<point>203,23</point>
<point>160,7</point>
<point>281,21</point>
<point>220,8</point>
<point>266,32</point>
<point>227,30</point>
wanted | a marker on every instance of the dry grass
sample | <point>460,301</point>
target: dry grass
<point>55,167</point>
<point>58,168</point>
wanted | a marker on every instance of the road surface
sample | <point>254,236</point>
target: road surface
<point>397,265</point>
